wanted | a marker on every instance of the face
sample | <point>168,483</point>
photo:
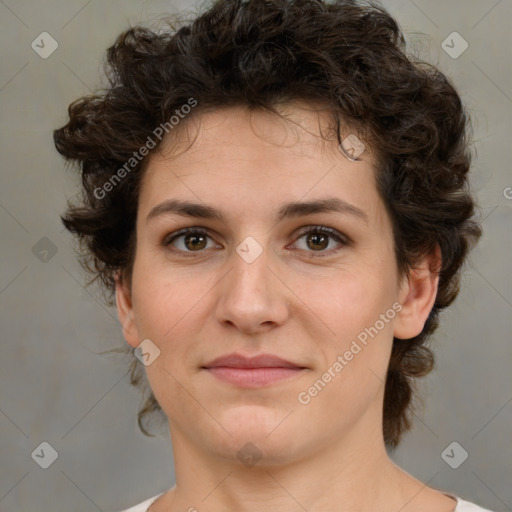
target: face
<point>257,273</point>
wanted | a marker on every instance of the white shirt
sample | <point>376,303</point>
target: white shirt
<point>462,505</point>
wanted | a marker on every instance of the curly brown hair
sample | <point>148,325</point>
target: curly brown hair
<point>348,56</point>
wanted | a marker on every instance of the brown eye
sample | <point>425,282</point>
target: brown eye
<point>318,238</point>
<point>317,241</point>
<point>188,240</point>
<point>195,241</point>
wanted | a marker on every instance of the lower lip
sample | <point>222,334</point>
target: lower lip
<point>253,377</point>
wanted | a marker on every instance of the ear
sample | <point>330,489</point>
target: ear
<point>125,310</point>
<point>417,296</point>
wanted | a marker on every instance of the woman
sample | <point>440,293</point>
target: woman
<point>277,196</point>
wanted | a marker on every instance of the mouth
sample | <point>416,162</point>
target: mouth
<point>253,372</point>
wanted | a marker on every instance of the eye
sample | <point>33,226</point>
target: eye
<point>188,240</point>
<point>318,239</point>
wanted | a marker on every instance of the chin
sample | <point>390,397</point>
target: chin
<point>259,453</point>
<point>263,436</point>
<point>255,421</point>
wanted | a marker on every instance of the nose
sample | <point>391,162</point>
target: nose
<point>251,296</point>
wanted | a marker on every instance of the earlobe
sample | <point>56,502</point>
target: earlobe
<point>125,311</point>
<point>417,296</point>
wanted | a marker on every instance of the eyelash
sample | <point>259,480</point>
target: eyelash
<point>344,241</point>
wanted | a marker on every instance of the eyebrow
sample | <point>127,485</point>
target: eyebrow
<point>292,209</point>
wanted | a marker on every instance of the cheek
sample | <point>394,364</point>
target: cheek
<point>170,310</point>
<point>358,310</point>
<point>163,299</point>
<point>352,301</point>
<point>355,359</point>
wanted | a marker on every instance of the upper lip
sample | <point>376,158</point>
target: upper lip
<point>260,361</point>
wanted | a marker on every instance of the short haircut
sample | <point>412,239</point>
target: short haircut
<point>349,57</point>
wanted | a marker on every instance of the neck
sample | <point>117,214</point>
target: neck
<point>355,474</point>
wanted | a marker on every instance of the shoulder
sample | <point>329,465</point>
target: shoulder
<point>462,506</point>
<point>467,506</point>
<point>142,507</point>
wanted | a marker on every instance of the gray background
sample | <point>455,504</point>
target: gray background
<point>55,388</point>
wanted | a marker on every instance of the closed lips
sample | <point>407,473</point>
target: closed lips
<point>260,361</point>
<point>259,371</point>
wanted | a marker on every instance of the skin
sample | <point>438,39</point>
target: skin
<point>290,301</point>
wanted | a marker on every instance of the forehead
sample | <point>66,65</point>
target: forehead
<point>248,160</point>
<point>307,129</point>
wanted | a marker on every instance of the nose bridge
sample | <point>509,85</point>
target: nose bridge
<point>251,295</point>
<point>251,273</point>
